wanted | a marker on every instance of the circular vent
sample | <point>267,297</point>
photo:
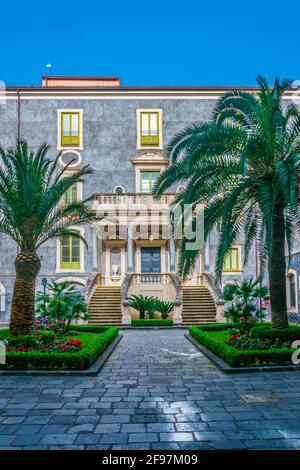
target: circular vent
<point>71,158</point>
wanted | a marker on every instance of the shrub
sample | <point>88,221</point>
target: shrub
<point>143,304</point>
<point>93,344</point>
<point>215,341</point>
<point>291,333</point>
<point>164,308</point>
<point>153,322</point>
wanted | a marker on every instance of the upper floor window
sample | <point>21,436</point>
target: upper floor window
<point>148,179</point>
<point>71,195</point>
<point>149,128</point>
<point>69,128</point>
<point>119,189</point>
<point>232,260</point>
<point>70,253</point>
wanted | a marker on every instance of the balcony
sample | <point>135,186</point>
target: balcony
<point>103,201</point>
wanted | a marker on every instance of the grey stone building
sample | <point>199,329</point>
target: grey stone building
<point>121,132</point>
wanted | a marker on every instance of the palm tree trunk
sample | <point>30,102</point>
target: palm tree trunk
<point>27,266</point>
<point>277,271</point>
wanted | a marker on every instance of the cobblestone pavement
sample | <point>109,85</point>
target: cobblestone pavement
<point>156,391</point>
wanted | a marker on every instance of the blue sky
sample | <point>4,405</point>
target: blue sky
<point>156,42</point>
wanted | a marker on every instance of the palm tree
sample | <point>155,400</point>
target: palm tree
<point>244,166</point>
<point>143,304</point>
<point>31,213</point>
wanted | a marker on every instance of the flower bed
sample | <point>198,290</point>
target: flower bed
<point>154,322</point>
<point>217,337</point>
<point>77,350</point>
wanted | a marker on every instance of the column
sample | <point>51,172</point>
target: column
<point>172,255</point>
<point>206,255</point>
<point>95,250</point>
<point>129,250</point>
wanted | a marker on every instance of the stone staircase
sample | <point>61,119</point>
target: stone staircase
<point>198,306</point>
<point>105,306</point>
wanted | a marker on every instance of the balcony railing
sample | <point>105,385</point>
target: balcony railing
<point>151,278</point>
<point>133,199</point>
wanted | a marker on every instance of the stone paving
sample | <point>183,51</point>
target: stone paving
<point>156,391</point>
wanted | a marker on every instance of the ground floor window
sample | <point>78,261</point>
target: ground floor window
<point>292,290</point>
<point>70,253</point>
<point>232,260</point>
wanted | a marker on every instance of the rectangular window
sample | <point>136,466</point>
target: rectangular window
<point>148,179</point>
<point>149,129</point>
<point>70,253</point>
<point>71,195</point>
<point>70,125</point>
<point>231,262</point>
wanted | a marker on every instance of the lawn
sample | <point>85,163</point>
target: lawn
<point>94,341</point>
<point>214,338</point>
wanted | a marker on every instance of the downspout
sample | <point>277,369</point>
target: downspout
<point>18,115</point>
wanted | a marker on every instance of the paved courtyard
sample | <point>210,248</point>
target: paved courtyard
<point>156,391</point>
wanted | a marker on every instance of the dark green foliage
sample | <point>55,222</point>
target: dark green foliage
<point>246,342</point>
<point>143,304</point>
<point>93,344</point>
<point>216,342</point>
<point>61,302</point>
<point>153,322</point>
<point>292,333</point>
<point>164,308</point>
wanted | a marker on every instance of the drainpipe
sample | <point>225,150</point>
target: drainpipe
<point>18,115</point>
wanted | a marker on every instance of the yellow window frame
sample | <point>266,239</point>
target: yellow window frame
<point>149,140</point>
<point>150,173</point>
<point>71,195</point>
<point>234,253</point>
<point>69,140</point>
<point>69,264</point>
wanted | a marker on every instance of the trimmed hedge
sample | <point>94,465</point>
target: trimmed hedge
<point>215,341</point>
<point>151,322</point>
<point>93,344</point>
<point>291,333</point>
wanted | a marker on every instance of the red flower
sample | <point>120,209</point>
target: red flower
<point>21,349</point>
<point>63,347</point>
<point>233,338</point>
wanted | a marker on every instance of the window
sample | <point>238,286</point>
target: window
<point>119,189</point>
<point>148,179</point>
<point>292,290</point>
<point>70,253</point>
<point>70,125</point>
<point>232,260</point>
<point>149,129</point>
<point>71,195</point>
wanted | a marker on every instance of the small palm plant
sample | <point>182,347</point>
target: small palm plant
<point>242,298</point>
<point>143,304</point>
<point>164,308</point>
<point>61,303</point>
<point>31,189</point>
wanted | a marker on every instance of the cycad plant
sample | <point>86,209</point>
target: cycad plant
<point>244,166</point>
<point>164,307</point>
<point>31,213</point>
<point>143,304</point>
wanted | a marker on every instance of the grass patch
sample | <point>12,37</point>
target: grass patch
<point>215,341</point>
<point>95,341</point>
<point>153,322</point>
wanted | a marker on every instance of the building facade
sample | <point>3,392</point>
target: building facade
<point>121,132</point>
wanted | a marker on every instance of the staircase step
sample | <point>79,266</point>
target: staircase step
<point>198,306</point>
<point>105,306</point>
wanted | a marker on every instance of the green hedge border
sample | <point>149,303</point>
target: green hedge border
<point>237,357</point>
<point>100,339</point>
<point>151,322</point>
